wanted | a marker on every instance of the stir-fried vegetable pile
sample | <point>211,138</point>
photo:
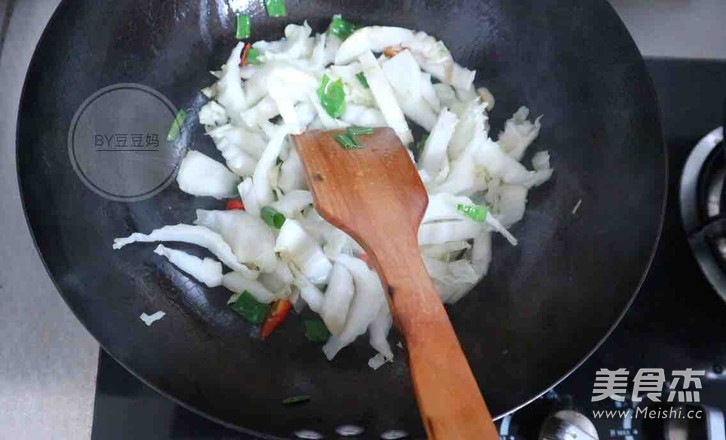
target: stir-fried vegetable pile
<point>280,253</point>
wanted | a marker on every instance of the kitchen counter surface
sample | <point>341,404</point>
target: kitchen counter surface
<point>47,359</point>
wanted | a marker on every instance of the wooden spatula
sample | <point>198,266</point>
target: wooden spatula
<point>375,194</point>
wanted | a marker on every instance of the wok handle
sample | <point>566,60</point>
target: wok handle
<point>451,405</point>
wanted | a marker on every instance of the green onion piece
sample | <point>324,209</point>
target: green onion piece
<point>272,217</point>
<point>316,331</point>
<point>243,26</point>
<point>296,399</point>
<point>342,28</point>
<point>478,213</point>
<point>253,56</point>
<point>347,142</point>
<point>359,131</point>
<point>250,309</point>
<point>176,126</point>
<point>362,80</point>
<point>419,146</point>
<point>332,96</point>
<point>275,8</point>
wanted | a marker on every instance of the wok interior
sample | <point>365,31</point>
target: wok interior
<point>544,305</point>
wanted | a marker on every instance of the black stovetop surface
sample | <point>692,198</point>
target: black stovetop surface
<point>676,322</point>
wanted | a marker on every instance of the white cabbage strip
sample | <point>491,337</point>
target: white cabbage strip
<point>391,77</point>
<point>206,270</point>
<point>151,319</point>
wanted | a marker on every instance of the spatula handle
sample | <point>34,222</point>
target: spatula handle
<point>375,194</point>
<point>451,404</point>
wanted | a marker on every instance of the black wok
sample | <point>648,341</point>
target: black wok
<point>543,308</point>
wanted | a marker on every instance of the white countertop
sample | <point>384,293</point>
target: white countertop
<point>47,359</point>
<point>676,28</point>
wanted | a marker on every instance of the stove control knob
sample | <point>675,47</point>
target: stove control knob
<point>568,425</point>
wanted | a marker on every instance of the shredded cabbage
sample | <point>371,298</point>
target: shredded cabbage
<point>230,92</point>
<point>199,235</point>
<point>519,133</point>
<point>433,157</point>
<point>368,300</point>
<point>150,319</point>
<point>237,282</point>
<point>338,297</point>
<point>240,148</point>
<point>250,239</point>
<point>385,97</point>
<point>200,175</point>
<point>416,82</point>
<point>371,39</point>
<point>404,76</point>
<point>296,246</point>
<point>206,270</point>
